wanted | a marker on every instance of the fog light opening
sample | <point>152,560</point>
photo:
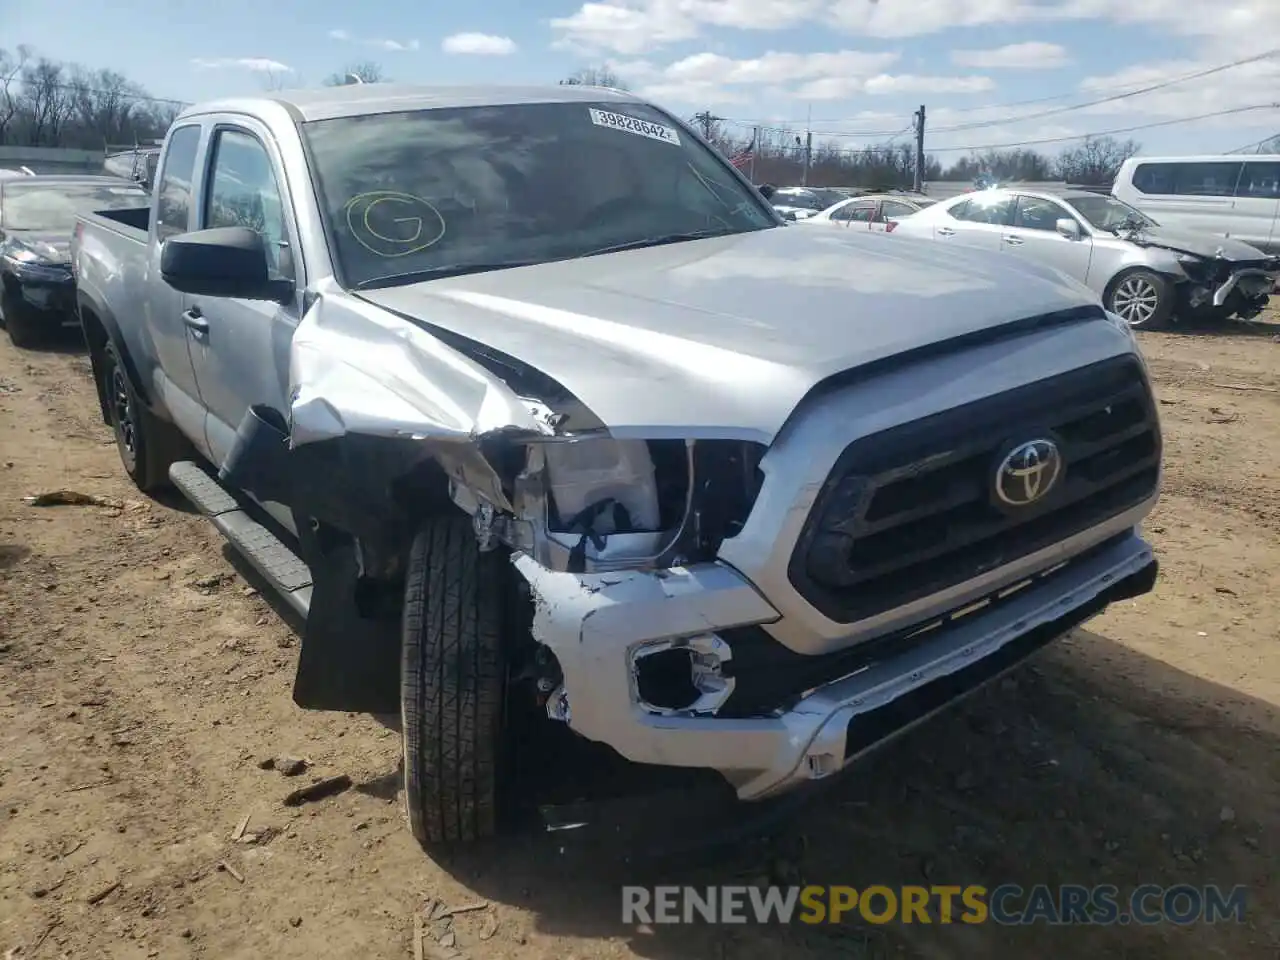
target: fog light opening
<point>683,676</point>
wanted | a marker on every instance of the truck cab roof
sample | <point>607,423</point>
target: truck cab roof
<point>361,99</point>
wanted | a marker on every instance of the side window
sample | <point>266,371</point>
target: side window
<point>892,208</point>
<point>242,192</point>
<point>994,211</point>
<point>960,210</point>
<point>1154,177</point>
<point>860,212</point>
<point>1260,179</point>
<point>1036,214</point>
<point>1207,179</point>
<point>173,205</point>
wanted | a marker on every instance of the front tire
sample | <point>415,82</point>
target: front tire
<point>1142,298</point>
<point>23,331</point>
<point>453,683</point>
<point>147,445</point>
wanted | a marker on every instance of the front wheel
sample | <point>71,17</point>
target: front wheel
<point>1142,298</point>
<point>453,683</point>
<point>23,330</point>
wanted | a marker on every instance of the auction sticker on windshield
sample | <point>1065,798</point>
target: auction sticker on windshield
<point>645,128</point>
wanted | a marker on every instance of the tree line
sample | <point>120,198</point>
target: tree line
<point>48,103</point>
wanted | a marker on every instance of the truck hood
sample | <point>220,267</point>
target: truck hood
<point>1197,244</point>
<point>53,248</point>
<point>723,337</point>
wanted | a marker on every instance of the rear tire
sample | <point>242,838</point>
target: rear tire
<point>23,331</point>
<point>1142,298</point>
<point>453,683</point>
<point>147,444</point>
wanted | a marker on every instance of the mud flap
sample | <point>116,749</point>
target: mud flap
<point>348,661</point>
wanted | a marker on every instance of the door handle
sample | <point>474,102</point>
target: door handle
<point>945,232</point>
<point>196,322</point>
<point>1011,239</point>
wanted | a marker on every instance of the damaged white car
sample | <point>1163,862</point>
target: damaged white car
<point>526,400</point>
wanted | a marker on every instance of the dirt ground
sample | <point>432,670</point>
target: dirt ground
<point>142,681</point>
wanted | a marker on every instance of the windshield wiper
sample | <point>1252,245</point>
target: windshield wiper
<point>659,241</point>
<point>439,273</point>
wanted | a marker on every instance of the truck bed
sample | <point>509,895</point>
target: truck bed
<point>130,222</point>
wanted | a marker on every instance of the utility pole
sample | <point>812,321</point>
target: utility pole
<point>706,118</point>
<point>755,148</point>
<point>919,178</point>
<point>808,147</point>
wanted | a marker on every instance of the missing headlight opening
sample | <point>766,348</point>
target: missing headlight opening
<point>683,676</point>
<point>591,503</point>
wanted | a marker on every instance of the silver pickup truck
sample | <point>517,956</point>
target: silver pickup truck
<point>530,404</point>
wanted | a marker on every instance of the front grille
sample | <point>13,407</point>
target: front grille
<point>909,511</point>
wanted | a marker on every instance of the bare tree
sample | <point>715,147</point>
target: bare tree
<point>273,80</point>
<point>46,99</point>
<point>11,67</point>
<point>49,104</point>
<point>365,72</point>
<point>596,77</point>
<point>1096,161</point>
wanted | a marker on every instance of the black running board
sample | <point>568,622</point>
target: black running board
<point>267,553</point>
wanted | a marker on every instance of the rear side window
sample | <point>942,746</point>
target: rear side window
<point>1215,178</point>
<point>861,212</point>
<point>173,198</point>
<point>892,208</point>
<point>1260,179</point>
<point>997,211</point>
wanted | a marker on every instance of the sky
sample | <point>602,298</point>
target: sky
<point>852,71</point>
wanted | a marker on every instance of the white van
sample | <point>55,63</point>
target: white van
<point>1228,196</point>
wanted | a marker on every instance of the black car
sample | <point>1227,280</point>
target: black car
<point>37,217</point>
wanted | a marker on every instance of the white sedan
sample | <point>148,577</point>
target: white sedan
<point>878,212</point>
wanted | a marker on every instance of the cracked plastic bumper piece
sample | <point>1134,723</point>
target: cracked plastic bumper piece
<point>595,624</point>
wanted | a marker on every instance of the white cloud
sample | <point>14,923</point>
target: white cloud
<point>480,44</point>
<point>253,64</point>
<point>835,75</point>
<point>632,27</point>
<point>392,46</point>
<point>1032,55</point>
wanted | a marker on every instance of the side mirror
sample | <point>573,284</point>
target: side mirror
<point>767,191</point>
<point>1068,228</point>
<point>789,215</point>
<point>222,262</point>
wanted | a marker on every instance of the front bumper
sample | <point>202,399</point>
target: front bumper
<point>1249,285</point>
<point>48,302</point>
<point>596,623</point>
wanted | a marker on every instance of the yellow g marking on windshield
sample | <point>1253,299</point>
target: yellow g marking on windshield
<point>390,224</point>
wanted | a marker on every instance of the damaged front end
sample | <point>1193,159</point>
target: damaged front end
<point>392,423</point>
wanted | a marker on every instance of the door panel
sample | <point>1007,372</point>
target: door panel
<point>1034,236</point>
<point>163,306</point>
<point>979,221</point>
<point>240,348</point>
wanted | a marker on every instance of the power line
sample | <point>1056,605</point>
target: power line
<point>1105,133</point>
<point>1257,145</point>
<point>1021,118</point>
<point>1115,96</point>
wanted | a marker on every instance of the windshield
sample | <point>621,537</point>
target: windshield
<point>52,206</point>
<point>1108,213</point>
<point>408,196</point>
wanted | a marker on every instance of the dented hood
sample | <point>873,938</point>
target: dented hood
<point>723,337</point>
<point>1197,244</point>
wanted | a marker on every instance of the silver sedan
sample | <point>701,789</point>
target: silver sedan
<point>1143,272</point>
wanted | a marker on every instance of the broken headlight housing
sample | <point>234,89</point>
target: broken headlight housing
<point>597,503</point>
